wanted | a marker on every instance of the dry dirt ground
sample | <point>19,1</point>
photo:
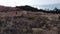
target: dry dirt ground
<point>27,22</point>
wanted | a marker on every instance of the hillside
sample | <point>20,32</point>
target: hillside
<point>6,8</point>
<point>29,22</point>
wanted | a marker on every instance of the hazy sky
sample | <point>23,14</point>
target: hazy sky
<point>28,2</point>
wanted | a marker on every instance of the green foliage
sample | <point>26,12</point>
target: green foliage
<point>28,8</point>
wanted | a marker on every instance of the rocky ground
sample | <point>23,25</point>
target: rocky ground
<point>30,23</point>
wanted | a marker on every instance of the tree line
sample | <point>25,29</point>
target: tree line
<point>29,8</point>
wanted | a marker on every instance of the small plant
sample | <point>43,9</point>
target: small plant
<point>1,22</point>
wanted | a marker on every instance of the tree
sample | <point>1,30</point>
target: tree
<point>55,9</point>
<point>27,8</point>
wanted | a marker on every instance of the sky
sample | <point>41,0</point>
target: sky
<point>28,2</point>
<point>34,3</point>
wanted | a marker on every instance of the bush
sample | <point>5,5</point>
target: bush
<point>1,23</point>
